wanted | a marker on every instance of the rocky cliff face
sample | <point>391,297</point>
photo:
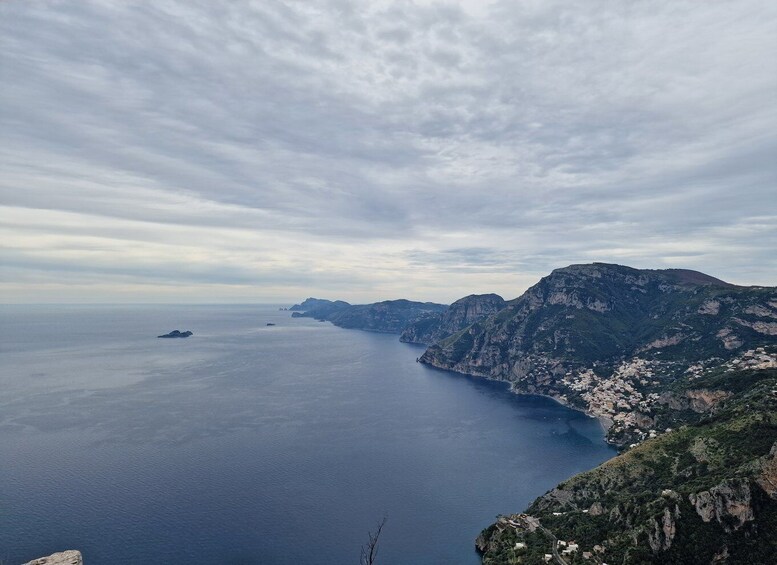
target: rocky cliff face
<point>766,473</point>
<point>70,557</point>
<point>664,530</point>
<point>459,315</point>
<point>729,503</point>
<point>611,339</point>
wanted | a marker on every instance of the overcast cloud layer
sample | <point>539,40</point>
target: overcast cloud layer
<point>265,151</point>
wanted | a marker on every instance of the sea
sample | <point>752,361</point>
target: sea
<point>250,443</point>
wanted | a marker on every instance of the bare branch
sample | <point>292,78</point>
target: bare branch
<point>370,549</point>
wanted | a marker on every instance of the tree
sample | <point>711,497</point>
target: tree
<point>370,549</point>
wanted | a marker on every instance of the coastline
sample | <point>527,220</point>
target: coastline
<point>604,422</point>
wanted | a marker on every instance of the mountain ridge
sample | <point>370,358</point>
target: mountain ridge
<point>387,316</point>
<point>609,339</point>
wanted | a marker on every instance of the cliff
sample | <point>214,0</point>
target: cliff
<point>459,315</point>
<point>611,340</point>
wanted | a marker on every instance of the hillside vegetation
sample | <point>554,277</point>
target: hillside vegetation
<point>703,493</point>
<point>389,316</point>
<point>611,340</point>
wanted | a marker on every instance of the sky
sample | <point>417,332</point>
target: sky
<point>266,151</point>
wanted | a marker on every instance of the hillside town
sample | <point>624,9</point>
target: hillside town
<point>624,401</point>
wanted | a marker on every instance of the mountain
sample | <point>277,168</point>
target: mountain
<point>310,304</point>
<point>389,316</point>
<point>462,313</point>
<point>317,308</point>
<point>611,340</point>
<point>704,493</point>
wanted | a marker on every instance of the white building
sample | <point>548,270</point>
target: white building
<point>571,548</point>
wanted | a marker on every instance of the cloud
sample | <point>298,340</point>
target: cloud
<point>383,149</point>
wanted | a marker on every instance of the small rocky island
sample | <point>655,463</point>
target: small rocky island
<point>177,333</point>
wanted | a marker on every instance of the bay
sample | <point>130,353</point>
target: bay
<point>249,443</point>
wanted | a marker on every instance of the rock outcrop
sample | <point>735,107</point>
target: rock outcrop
<point>767,473</point>
<point>730,503</point>
<point>663,530</point>
<point>705,400</point>
<point>69,557</point>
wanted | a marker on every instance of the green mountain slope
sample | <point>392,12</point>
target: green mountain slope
<point>389,316</point>
<point>610,340</point>
<point>703,493</point>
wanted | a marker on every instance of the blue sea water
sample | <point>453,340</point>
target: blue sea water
<point>249,443</point>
